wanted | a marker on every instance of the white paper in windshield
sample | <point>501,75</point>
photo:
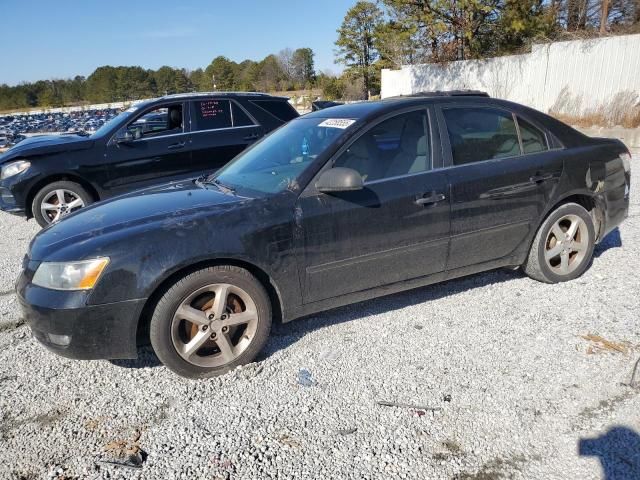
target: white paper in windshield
<point>340,123</point>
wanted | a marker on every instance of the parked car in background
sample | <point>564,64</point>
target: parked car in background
<point>337,206</point>
<point>169,138</point>
<point>5,141</point>
<point>87,120</point>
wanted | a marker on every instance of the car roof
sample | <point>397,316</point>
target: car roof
<point>361,110</point>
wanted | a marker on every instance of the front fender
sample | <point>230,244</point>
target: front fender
<point>145,259</point>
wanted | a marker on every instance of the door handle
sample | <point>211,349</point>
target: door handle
<point>539,178</point>
<point>432,199</point>
<point>253,136</point>
<point>176,146</point>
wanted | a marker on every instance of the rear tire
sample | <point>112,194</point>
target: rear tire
<point>58,199</point>
<point>198,336</point>
<point>563,246</point>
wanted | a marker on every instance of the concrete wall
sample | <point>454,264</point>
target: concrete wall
<point>573,78</point>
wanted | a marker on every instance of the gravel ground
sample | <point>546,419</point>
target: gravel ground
<point>519,392</point>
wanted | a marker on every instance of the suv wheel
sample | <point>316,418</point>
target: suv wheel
<point>563,246</point>
<point>57,200</point>
<point>211,321</point>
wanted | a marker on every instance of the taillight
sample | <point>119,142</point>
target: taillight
<point>626,161</point>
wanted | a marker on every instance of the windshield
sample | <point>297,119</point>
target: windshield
<point>107,126</point>
<point>275,163</point>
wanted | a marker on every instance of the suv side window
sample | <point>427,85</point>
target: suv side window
<point>397,146</point>
<point>480,133</point>
<point>280,109</point>
<point>211,114</point>
<point>533,140</point>
<point>165,120</point>
<point>240,118</point>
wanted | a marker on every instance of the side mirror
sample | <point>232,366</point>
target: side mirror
<point>339,179</point>
<point>124,137</point>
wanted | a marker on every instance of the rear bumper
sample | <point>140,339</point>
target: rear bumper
<point>616,202</point>
<point>66,325</point>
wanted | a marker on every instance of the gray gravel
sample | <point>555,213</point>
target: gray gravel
<point>517,391</point>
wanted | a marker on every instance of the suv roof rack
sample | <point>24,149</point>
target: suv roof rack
<point>205,94</point>
<point>446,93</point>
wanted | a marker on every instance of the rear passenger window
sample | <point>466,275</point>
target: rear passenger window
<point>533,140</point>
<point>398,146</point>
<point>212,114</point>
<point>478,134</point>
<point>281,109</point>
<point>240,118</point>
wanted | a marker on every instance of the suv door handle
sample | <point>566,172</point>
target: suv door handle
<point>539,178</point>
<point>432,199</point>
<point>176,146</point>
<point>253,136</point>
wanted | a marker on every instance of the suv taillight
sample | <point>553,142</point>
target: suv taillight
<point>626,161</point>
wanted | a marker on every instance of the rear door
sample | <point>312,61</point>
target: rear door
<point>496,197</point>
<point>395,229</point>
<point>547,151</point>
<point>221,129</point>
<point>159,150</point>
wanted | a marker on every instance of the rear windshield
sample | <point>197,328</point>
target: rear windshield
<point>280,109</point>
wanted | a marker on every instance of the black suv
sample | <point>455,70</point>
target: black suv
<point>155,141</point>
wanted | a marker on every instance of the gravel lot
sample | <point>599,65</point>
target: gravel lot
<point>520,392</point>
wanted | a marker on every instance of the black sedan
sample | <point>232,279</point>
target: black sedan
<point>155,141</point>
<point>335,207</point>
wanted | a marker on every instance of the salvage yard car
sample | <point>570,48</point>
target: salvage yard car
<point>335,207</point>
<point>170,138</point>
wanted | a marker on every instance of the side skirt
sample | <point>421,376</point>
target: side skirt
<point>364,295</point>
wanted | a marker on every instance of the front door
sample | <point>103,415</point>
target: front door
<point>395,229</point>
<point>159,150</point>
<point>496,198</point>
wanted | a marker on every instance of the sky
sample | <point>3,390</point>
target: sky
<point>46,39</point>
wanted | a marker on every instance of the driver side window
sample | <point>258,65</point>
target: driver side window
<point>165,120</point>
<point>395,147</point>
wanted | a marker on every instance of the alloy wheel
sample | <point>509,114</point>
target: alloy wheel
<point>567,244</point>
<point>59,203</point>
<point>214,325</point>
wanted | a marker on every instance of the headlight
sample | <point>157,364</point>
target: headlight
<point>70,275</point>
<point>14,168</point>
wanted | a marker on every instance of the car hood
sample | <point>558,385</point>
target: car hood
<point>44,144</point>
<point>162,206</point>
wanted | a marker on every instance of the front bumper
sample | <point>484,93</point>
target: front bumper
<point>66,325</point>
<point>9,204</point>
<point>14,192</point>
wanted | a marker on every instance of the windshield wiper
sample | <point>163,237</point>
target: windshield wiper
<point>207,179</point>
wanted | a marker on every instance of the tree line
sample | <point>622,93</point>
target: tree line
<point>288,70</point>
<point>392,33</point>
<point>373,35</point>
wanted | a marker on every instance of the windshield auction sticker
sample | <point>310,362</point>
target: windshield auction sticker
<point>341,123</point>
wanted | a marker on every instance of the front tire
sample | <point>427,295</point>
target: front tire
<point>211,321</point>
<point>563,246</point>
<point>58,199</point>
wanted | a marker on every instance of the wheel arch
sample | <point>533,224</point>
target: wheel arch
<point>275,297</point>
<point>70,177</point>
<point>589,201</point>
